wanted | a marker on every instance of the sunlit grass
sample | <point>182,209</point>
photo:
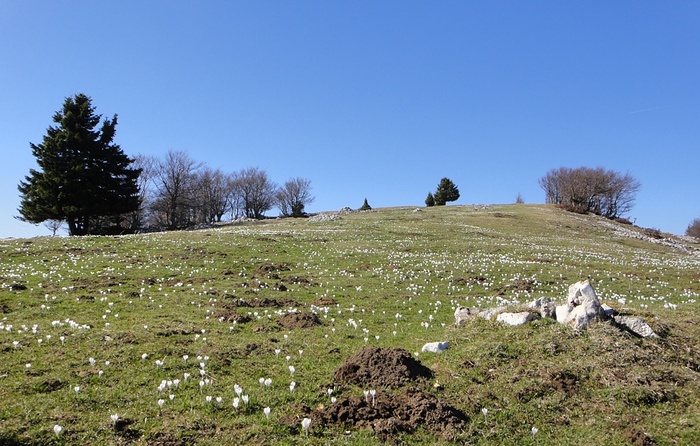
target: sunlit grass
<point>155,309</point>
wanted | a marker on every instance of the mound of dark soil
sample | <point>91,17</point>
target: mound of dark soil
<point>270,270</point>
<point>325,301</point>
<point>298,280</point>
<point>231,316</point>
<point>390,415</point>
<point>299,320</point>
<point>374,367</point>
<point>265,302</point>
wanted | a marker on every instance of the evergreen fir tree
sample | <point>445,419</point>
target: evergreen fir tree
<point>430,200</point>
<point>84,178</point>
<point>446,191</point>
<point>366,206</point>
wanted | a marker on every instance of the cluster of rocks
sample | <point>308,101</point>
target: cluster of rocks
<point>582,308</point>
<point>649,235</point>
<point>331,216</point>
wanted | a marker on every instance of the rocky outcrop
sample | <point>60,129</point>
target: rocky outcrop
<point>465,314</point>
<point>582,308</point>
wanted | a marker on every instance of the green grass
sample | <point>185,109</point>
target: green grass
<point>399,275</point>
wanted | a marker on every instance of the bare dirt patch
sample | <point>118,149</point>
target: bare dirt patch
<point>299,280</point>
<point>564,381</point>
<point>471,280</point>
<point>231,316</point>
<point>270,270</point>
<point>294,320</point>
<point>265,302</point>
<point>398,406</point>
<point>382,368</point>
<point>390,415</point>
<point>325,301</point>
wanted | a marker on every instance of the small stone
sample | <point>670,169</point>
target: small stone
<point>435,347</point>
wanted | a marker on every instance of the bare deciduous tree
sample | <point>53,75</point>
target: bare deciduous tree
<point>138,219</point>
<point>212,189</point>
<point>175,190</point>
<point>693,229</point>
<point>255,191</point>
<point>294,196</point>
<point>53,226</point>
<point>600,191</point>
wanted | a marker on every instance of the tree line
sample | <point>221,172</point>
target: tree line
<point>178,192</point>
<point>86,180</point>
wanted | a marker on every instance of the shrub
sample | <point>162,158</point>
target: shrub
<point>653,233</point>
<point>623,221</point>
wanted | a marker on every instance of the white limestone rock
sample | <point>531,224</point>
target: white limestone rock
<point>583,306</point>
<point>579,292</point>
<point>562,313</point>
<point>516,319</point>
<point>490,313</point>
<point>464,314</point>
<point>546,305</point>
<point>435,347</point>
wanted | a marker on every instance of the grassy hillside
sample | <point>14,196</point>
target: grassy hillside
<point>155,328</point>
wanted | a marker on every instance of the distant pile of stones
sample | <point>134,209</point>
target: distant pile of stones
<point>331,216</point>
<point>582,308</point>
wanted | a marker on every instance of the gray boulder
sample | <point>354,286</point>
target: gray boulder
<point>635,325</point>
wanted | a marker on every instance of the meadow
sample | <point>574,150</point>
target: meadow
<point>186,337</point>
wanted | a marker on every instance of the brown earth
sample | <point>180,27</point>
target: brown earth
<point>390,415</point>
<point>265,302</point>
<point>398,406</point>
<point>294,320</point>
<point>374,367</point>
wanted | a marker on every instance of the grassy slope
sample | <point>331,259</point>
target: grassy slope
<point>399,275</point>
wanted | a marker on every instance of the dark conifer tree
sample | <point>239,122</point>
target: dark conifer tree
<point>430,200</point>
<point>83,178</point>
<point>446,191</point>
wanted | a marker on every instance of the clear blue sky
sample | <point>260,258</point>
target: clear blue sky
<point>376,99</point>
